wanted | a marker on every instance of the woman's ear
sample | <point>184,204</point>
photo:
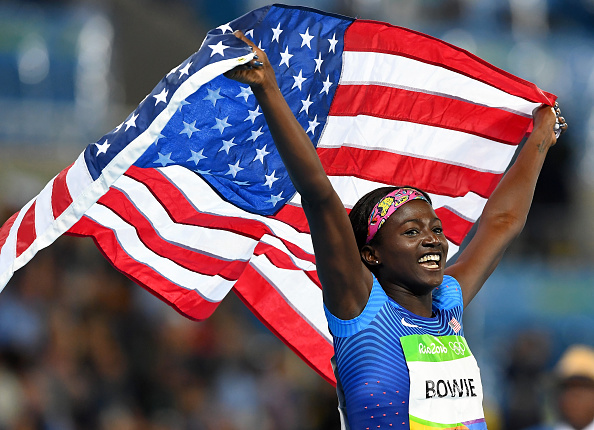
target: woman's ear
<point>370,255</point>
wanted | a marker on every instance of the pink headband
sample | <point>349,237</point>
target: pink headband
<point>387,206</point>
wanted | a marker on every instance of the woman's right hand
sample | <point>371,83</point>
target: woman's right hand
<point>258,73</point>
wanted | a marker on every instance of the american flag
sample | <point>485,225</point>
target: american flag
<point>455,325</point>
<point>189,198</point>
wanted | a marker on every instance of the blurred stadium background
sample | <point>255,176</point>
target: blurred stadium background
<point>83,348</point>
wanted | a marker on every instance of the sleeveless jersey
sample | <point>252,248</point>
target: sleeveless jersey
<point>371,363</point>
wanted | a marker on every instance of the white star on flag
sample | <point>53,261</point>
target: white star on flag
<point>285,57</point>
<point>327,84</point>
<point>161,97</point>
<point>131,122</point>
<point>260,154</point>
<point>253,114</point>
<point>227,144</point>
<point>275,199</point>
<point>312,125</point>
<point>306,104</point>
<point>185,70</point>
<point>277,31</point>
<point>197,156</point>
<point>225,27</point>
<point>102,149</point>
<point>189,129</point>
<point>299,79</point>
<point>270,179</point>
<point>221,124</point>
<point>245,92</point>
<point>256,134</point>
<point>234,169</point>
<point>219,48</point>
<point>333,43</point>
<point>319,62</point>
<point>164,159</point>
<point>306,38</point>
<point>213,96</point>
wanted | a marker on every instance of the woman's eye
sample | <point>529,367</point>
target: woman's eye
<point>410,232</point>
<point>438,230</point>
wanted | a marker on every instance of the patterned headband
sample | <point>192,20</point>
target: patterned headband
<point>387,206</point>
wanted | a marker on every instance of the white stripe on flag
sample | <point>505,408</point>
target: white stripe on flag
<point>417,140</point>
<point>363,68</point>
<point>44,214</point>
<point>205,200</point>
<point>212,288</point>
<point>351,189</point>
<point>213,242</point>
<point>304,296</point>
<point>8,250</point>
<point>452,250</point>
<point>78,177</point>
<point>278,244</point>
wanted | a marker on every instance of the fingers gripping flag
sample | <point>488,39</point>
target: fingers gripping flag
<point>189,198</point>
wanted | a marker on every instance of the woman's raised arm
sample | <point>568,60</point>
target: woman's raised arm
<point>506,210</point>
<point>346,282</point>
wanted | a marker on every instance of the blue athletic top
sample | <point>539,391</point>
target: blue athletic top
<point>369,357</point>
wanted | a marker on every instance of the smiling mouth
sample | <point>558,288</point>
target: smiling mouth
<point>430,261</point>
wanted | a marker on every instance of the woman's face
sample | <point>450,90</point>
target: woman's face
<point>412,247</point>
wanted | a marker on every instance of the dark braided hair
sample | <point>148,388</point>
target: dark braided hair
<point>359,215</point>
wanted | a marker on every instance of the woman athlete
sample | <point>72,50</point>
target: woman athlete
<point>393,308</point>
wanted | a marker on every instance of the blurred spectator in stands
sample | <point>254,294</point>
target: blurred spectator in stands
<point>525,373</point>
<point>573,391</point>
<point>575,397</point>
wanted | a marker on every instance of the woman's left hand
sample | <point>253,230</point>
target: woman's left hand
<point>549,120</point>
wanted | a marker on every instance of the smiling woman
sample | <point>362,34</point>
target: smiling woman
<point>393,308</point>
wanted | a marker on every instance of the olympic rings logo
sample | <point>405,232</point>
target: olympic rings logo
<point>457,347</point>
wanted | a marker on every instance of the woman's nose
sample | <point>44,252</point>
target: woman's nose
<point>431,239</point>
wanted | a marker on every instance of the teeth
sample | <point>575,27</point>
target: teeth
<point>430,257</point>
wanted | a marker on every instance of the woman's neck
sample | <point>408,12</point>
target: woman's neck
<point>421,305</point>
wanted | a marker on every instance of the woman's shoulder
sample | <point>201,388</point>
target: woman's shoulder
<point>449,294</point>
<point>346,328</point>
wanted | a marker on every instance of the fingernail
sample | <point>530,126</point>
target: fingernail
<point>255,56</point>
<point>258,63</point>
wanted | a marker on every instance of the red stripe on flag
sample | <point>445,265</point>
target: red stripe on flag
<point>5,230</point>
<point>288,325</point>
<point>187,302</point>
<point>294,216</point>
<point>282,260</point>
<point>182,211</point>
<point>191,260</point>
<point>61,197</point>
<point>455,227</point>
<point>428,109</point>
<point>411,44</point>
<point>385,167</point>
<point>26,233</point>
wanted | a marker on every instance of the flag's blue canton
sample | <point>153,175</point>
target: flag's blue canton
<point>219,131</point>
